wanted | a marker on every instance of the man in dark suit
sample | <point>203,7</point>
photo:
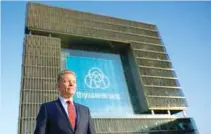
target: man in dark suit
<point>64,116</point>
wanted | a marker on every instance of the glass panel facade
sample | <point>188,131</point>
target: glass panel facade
<point>153,63</point>
<point>163,91</point>
<point>101,83</point>
<point>156,72</point>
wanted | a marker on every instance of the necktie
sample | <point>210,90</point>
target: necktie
<point>71,113</point>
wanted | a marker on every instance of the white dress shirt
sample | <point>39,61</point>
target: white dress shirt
<point>65,105</point>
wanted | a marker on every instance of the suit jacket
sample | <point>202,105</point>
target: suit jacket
<point>52,119</point>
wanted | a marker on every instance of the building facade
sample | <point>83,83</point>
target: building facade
<point>123,71</point>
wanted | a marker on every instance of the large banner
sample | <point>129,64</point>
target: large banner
<point>101,83</point>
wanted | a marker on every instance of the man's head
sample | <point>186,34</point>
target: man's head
<point>66,83</point>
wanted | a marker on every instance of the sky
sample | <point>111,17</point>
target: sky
<point>185,28</point>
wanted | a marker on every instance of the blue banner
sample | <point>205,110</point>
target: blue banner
<point>101,84</point>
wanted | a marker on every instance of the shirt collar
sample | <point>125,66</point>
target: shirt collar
<point>64,100</point>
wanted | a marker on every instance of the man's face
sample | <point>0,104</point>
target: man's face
<point>67,85</point>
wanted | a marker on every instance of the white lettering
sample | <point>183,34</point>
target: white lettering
<point>85,95</point>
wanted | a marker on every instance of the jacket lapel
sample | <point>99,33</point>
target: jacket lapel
<point>63,113</point>
<point>78,115</point>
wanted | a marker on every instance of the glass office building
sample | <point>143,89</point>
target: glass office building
<point>124,74</point>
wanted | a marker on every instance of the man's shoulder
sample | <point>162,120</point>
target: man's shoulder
<point>81,106</point>
<point>49,103</point>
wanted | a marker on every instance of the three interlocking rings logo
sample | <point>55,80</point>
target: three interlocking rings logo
<point>95,79</point>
